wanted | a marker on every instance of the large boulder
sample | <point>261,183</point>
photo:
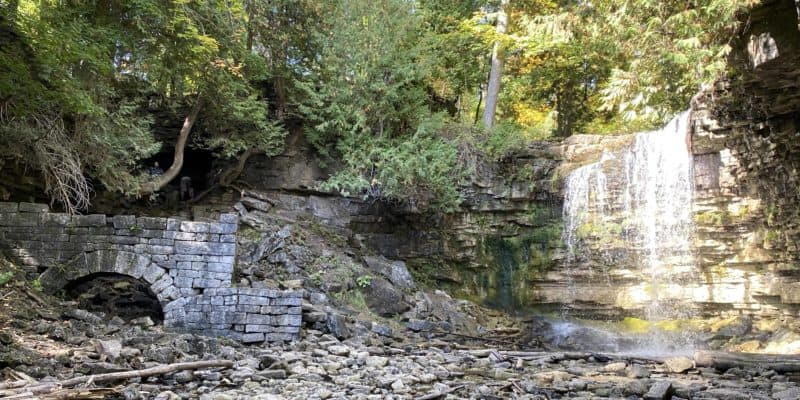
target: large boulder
<point>395,271</point>
<point>384,299</point>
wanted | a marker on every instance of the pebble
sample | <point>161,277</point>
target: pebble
<point>398,385</point>
<point>678,364</point>
<point>637,371</point>
<point>339,350</point>
<point>615,367</point>
<point>376,361</point>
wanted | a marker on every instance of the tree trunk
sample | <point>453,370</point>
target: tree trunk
<point>280,97</point>
<point>180,145</point>
<point>565,108</point>
<point>498,58</point>
<point>250,29</point>
<point>722,360</point>
<point>478,107</point>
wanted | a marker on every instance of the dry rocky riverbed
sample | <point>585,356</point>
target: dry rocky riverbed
<point>366,366</point>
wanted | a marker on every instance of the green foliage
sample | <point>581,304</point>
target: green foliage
<point>366,79</point>
<point>375,85</point>
<point>249,233</point>
<point>36,284</point>
<point>364,281</point>
<point>354,299</point>
<point>316,278</point>
<point>668,48</point>
<point>78,81</point>
<point>6,277</point>
<point>419,170</point>
<point>364,101</point>
<point>502,139</point>
<point>722,217</point>
<point>593,66</point>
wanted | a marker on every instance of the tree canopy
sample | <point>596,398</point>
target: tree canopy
<point>385,90</point>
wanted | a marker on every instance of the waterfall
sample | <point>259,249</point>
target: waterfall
<point>634,208</point>
<point>587,195</point>
<point>659,186</point>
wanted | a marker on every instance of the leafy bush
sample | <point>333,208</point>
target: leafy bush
<point>419,171</point>
<point>364,281</point>
<point>503,138</point>
<point>5,277</point>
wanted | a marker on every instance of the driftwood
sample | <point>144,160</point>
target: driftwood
<point>557,356</point>
<point>485,339</point>
<point>68,394</point>
<point>49,387</point>
<point>34,296</point>
<point>724,360</point>
<point>14,384</point>
<point>15,379</point>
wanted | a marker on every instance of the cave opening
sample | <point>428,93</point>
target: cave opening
<point>115,295</point>
<point>197,165</point>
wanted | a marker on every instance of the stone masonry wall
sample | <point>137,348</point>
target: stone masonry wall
<point>187,264</point>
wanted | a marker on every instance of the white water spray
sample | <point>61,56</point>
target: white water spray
<point>635,211</point>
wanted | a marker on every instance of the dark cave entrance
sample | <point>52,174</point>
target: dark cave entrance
<point>197,165</point>
<point>115,295</point>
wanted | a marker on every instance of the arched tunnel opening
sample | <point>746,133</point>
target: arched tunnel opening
<point>115,295</point>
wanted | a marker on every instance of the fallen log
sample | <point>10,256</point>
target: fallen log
<point>29,391</point>
<point>114,376</point>
<point>14,384</point>
<point>81,394</point>
<point>472,337</point>
<point>67,394</point>
<point>724,360</point>
<point>556,356</point>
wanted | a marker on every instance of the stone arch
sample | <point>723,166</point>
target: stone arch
<point>137,266</point>
<point>116,294</point>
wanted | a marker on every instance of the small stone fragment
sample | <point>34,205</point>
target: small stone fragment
<point>338,350</point>
<point>659,391</point>
<point>108,348</point>
<point>678,364</point>
<point>615,367</point>
<point>637,371</point>
<point>143,321</point>
<point>376,361</point>
<point>398,385</point>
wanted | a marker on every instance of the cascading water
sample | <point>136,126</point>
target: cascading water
<point>658,194</point>
<point>587,194</point>
<point>635,209</point>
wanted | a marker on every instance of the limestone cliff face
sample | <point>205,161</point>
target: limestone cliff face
<point>747,169</point>
<point>504,247</point>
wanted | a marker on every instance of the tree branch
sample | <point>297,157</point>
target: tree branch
<point>180,146</point>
